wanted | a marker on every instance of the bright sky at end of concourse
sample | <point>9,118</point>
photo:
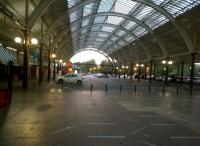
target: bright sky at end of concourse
<point>87,55</point>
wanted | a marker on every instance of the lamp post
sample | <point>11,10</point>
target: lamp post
<point>26,44</point>
<point>167,63</point>
<point>61,65</point>
<point>54,65</point>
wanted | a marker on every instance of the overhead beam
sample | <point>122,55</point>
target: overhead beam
<point>38,12</point>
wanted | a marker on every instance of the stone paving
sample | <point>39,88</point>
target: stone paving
<point>71,115</point>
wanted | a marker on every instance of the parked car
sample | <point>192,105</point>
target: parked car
<point>196,80</point>
<point>70,78</point>
<point>100,75</point>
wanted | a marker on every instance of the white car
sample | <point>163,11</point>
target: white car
<point>70,78</point>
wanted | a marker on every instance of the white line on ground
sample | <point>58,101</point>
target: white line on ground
<point>150,116</point>
<point>101,123</point>
<point>137,131</point>
<point>147,143</point>
<point>164,124</point>
<point>129,119</point>
<point>62,130</point>
<point>108,137</point>
<point>182,137</point>
<point>119,112</point>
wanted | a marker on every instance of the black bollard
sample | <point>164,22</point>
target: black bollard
<point>163,90</point>
<point>120,89</point>
<point>177,90</point>
<point>91,87</point>
<point>135,89</point>
<point>149,88</point>
<point>10,77</point>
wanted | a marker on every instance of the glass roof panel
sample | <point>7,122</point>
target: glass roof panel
<point>114,38</point>
<point>103,35</point>
<point>100,39</point>
<point>145,11</point>
<point>95,28</point>
<point>129,24</point>
<point>74,27</point>
<point>177,7</point>
<point>120,32</point>
<point>129,38</point>
<point>75,15</point>
<point>114,20</point>
<point>105,5</point>
<point>124,6</point>
<point>88,9</point>
<point>72,2</point>
<point>155,20</point>
<point>146,14</point>
<point>85,22</point>
<point>121,43</point>
<point>99,19</point>
<point>107,28</point>
<point>84,30</point>
<point>139,31</point>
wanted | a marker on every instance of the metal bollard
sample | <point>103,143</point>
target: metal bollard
<point>177,90</point>
<point>163,90</point>
<point>106,88</point>
<point>135,89</point>
<point>149,89</point>
<point>91,87</point>
<point>120,89</point>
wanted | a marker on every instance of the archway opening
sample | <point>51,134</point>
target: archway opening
<point>89,54</point>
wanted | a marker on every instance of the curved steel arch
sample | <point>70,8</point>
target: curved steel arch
<point>104,32</point>
<point>114,26</point>
<point>99,41</point>
<point>38,12</point>
<point>180,29</point>
<point>44,4</point>
<point>89,43</point>
<point>154,35</point>
<point>88,49</point>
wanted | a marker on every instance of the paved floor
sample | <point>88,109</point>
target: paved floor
<point>71,115</point>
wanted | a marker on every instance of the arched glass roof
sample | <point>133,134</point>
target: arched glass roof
<point>112,24</point>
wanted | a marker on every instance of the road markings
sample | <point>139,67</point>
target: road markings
<point>150,116</point>
<point>182,137</point>
<point>100,123</point>
<point>63,130</point>
<point>164,124</point>
<point>147,143</point>
<point>129,119</point>
<point>137,131</point>
<point>108,137</point>
<point>119,112</point>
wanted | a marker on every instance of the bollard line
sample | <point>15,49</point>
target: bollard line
<point>163,90</point>
<point>91,87</point>
<point>135,89</point>
<point>120,88</point>
<point>149,88</point>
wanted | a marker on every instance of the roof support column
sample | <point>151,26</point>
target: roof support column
<point>26,50</point>
<point>182,70</point>
<point>131,71</point>
<point>192,71</point>
<point>150,72</point>
<point>41,55</point>
<point>139,72</point>
<point>145,71</point>
<point>154,72</point>
<point>49,65</point>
